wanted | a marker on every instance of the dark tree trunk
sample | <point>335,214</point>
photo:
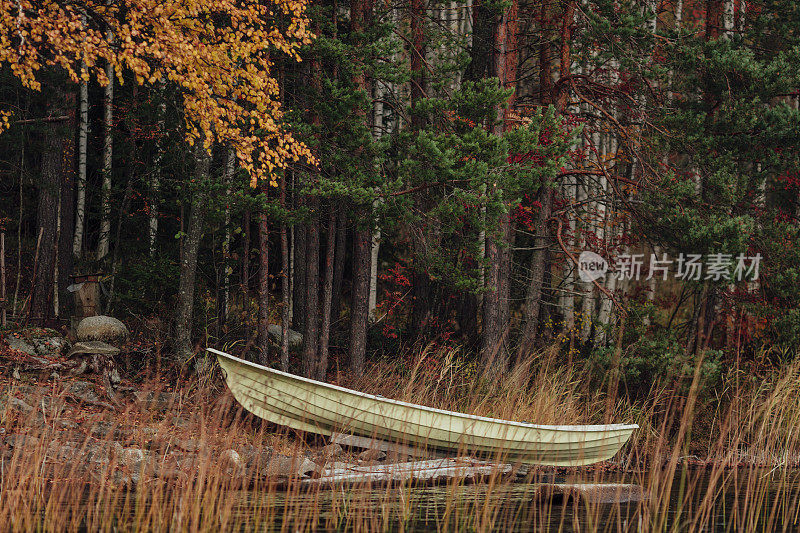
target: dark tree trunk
<point>467,317</point>
<point>360,14</point>
<point>359,315</point>
<point>47,215</point>
<point>246,264</point>
<point>327,293</point>
<point>484,21</point>
<point>339,264</point>
<point>67,212</point>
<point>311,330</point>
<point>499,250</point>
<point>421,304</point>
<point>417,62</point>
<point>713,19</point>
<point>299,288</point>
<point>55,169</point>
<point>533,298</point>
<point>263,281</point>
<point>286,297</point>
<point>421,289</point>
<point>194,233</point>
<point>493,352</point>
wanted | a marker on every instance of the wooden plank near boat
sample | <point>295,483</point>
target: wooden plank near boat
<point>317,407</point>
<point>430,471</point>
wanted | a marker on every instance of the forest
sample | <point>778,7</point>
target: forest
<point>409,265</point>
<point>379,176</point>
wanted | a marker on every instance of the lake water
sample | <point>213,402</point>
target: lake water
<point>694,500</point>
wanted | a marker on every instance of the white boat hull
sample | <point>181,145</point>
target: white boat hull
<point>317,407</point>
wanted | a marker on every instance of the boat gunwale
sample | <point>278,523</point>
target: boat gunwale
<point>600,428</point>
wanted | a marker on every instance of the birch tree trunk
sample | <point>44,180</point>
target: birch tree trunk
<point>230,166</point>
<point>155,177</point>
<point>567,300</point>
<point>108,129</point>
<point>377,133</point>
<point>728,21</point>
<point>80,195</point>
<point>194,233</point>
<point>246,264</point>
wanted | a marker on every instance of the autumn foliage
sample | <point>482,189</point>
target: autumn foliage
<point>219,53</point>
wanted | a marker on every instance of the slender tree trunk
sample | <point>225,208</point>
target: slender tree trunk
<point>66,218</point>
<point>311,331</point>
<point>155,176</point>
<point>742,14</point>
<point>123,215</point>
<point>299,279</point>
<point>263,281</point>
<point>359,315</point>
<point>533,297</point>
<point>567,300</point>
<point>483,25</point>
<point>286,295</point>
<point>495,332</point>
<point>327,294</point>
<point>230,166</point>
<point>18,280</point>
<point>246,264</point>
<point>728,21</point>
<point>377,133</point>
<point>417,62</point>
<point>83,135</point>
<point>188,270</point>
<point>339,264</point>
<point>108,146</point>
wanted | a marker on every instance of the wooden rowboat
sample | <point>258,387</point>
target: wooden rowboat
<point>309,405</point>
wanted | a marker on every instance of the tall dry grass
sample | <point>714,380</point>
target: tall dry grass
<point>706,465</point>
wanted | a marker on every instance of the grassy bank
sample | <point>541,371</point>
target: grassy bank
<point>707,459</point>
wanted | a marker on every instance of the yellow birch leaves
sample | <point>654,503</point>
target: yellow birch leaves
<point>217,51</point>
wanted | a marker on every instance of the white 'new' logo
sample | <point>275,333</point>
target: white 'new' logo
<point>591,266</point>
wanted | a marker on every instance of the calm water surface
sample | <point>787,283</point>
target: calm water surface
<point>696,500</point>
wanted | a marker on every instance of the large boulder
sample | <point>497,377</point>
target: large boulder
<point>295,338</point>
<point>102,328</point>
